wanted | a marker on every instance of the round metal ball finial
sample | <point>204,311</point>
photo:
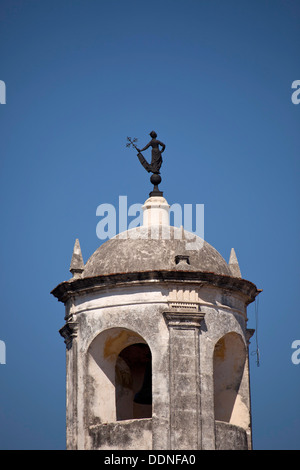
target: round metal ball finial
<point>155,179</point>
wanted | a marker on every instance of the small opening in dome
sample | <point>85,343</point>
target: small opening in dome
<point>179,258</point>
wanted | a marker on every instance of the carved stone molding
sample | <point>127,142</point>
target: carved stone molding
<point>184,319</point>
<point>249,333</point>
<point>69,332</point>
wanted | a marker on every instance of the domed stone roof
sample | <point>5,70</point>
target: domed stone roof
<point>155,248</point>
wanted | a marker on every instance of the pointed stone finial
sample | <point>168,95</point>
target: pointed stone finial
<point>77,265</point>
<point>234,264</point>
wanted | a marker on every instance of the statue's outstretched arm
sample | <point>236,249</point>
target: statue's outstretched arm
<point>145,148</point>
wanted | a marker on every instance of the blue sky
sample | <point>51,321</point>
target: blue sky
<point>213,78</point>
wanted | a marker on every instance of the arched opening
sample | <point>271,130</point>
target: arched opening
<point>229,367</point>
<point>117,362</point>
<point>133,378</point>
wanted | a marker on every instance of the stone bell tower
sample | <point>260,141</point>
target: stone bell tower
<point>156,342</point>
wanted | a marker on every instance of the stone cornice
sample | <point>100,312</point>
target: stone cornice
<point>89,284</point>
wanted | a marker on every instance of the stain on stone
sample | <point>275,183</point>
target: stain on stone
<point>115,343</point>
<point>119,435</point>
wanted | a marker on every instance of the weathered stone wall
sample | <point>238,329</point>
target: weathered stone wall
<point>122,435</point>
<point>105,327</point>
<point>108,320</point>
<point>229,437</point>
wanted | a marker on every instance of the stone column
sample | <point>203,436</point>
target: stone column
<point>69,333</point>
<point>185,415</point>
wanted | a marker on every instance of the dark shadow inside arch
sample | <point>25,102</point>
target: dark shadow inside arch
<point>133,379</point>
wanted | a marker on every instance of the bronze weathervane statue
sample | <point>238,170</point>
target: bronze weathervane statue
<point>156,160</point>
